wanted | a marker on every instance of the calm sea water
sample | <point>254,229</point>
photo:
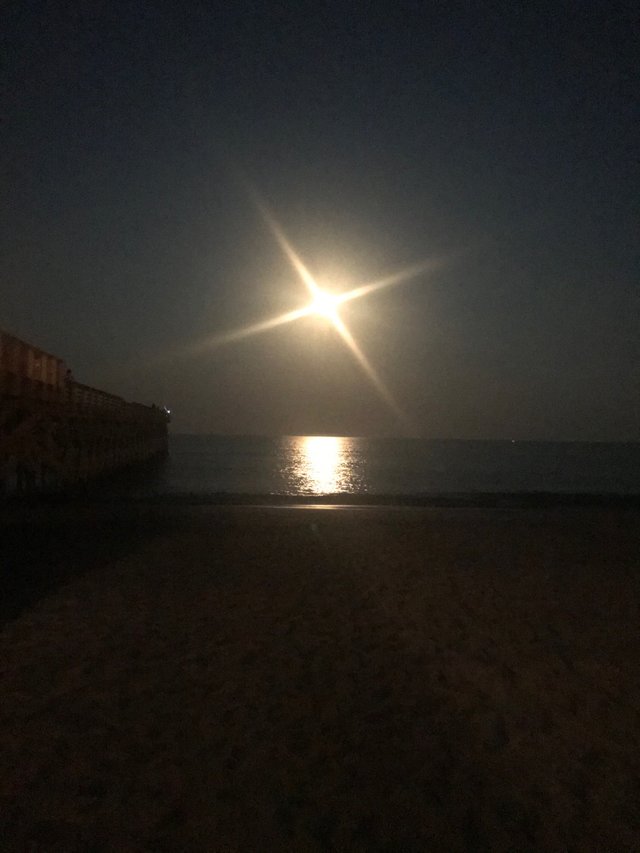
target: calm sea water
<point>316,465</point>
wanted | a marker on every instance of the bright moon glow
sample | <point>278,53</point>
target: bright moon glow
<point>325,304</point>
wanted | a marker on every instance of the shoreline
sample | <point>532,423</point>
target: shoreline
<point>94,496</point>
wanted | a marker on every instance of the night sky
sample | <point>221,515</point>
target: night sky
<point>496,139</point>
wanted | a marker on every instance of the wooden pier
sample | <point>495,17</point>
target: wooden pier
<point>56,432</point>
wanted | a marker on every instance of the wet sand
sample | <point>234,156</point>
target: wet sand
<point>221,679</point>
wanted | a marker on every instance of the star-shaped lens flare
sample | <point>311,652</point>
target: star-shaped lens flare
<point>323,304</point>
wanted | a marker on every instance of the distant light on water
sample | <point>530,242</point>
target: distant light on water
<point>321,464</point>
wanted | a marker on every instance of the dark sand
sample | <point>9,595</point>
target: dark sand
<point>294,679</point>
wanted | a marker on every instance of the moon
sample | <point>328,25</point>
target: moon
<point>325,304</point>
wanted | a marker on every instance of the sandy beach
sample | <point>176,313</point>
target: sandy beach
<point>241,679</point>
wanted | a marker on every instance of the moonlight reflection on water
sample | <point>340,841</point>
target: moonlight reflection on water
<point>321,464</point>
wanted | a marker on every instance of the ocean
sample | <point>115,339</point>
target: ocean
<point>322,465</point>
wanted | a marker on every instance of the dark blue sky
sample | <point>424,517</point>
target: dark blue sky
<point>500,138</point>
